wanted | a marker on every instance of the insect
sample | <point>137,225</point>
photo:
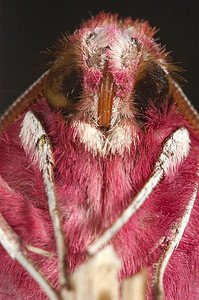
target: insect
<point>113,125</point>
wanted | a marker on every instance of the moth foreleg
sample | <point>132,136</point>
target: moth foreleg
<point>171,244</point>
<point>175,150</point>
<point>12,244</point>
<point>36,144</point>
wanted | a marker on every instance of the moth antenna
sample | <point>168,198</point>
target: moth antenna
<point>175,149</point>
<point>175,238</point>
<point>34,139</point>
<point>185,106</point>
<point>33,94</point>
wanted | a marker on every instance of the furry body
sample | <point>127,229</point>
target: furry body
<point>93,190</point>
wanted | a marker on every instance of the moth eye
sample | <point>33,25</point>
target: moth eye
<point>70,85</point>
<point>63,87</point>
<point>151,86</point>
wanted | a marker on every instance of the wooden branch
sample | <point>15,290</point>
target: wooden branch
<point>135,287</point>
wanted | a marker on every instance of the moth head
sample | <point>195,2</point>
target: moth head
<point>105,79</point>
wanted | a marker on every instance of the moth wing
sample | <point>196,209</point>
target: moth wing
<point>33,94</point>
<point>185,106</point>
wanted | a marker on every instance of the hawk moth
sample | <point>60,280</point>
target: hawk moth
<point>124,142</point>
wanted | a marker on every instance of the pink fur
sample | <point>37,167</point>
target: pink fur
<point>93,191</point>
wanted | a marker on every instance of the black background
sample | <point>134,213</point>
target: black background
<point>28,27</point>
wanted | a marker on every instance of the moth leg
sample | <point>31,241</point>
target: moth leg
<point>175,150</point>
<point>37,145</point>
<point>39,251</point>
<point>12,244</point>
<point>171,245</point>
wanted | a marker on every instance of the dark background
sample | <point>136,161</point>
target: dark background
<point>28,27</point>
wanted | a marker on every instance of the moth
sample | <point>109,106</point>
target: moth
<point>104,143</point>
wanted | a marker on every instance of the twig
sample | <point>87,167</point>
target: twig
<point>135,287</point>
